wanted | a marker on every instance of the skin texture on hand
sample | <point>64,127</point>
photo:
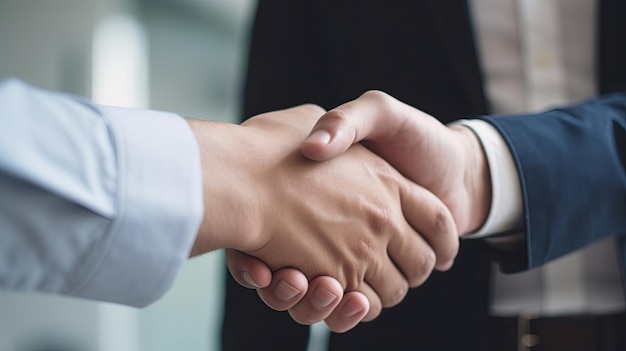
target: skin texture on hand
<point>354,218</point>
<point>446,160</point>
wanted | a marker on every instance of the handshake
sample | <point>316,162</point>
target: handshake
<point>329,215</point>
<point>334,218</point>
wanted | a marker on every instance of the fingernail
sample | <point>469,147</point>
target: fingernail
<point>351,310</point>
<point>248,279</point>
<point>286,291</point>
<point>320,136</point>
<point>322,298</point>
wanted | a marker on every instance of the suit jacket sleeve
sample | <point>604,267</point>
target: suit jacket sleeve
<point>97,202</point>
<point>571,162</point>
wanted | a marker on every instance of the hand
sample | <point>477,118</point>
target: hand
<point>449,161</point>
<point>354,218</point>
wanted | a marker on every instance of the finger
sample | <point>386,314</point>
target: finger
<point>414,256</point>
<point>288,287</point>
<point>388,282</point>
<point>323,296</point>
<point>375,302</point>
<point>248,271</point>
<point>351,310</point>
<point>382,274</point>
<point>280,291</point>
<point>373,116</point>
<point>433,220</point>
<point>384,278</point>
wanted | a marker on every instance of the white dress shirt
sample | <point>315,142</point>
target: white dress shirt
<point>95,202</point>
<point>538,54</point>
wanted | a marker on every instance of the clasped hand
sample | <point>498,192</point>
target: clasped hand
<point>303,232</point>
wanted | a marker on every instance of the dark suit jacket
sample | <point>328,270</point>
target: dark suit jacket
<point>571,163</point>
<point>422,52</point>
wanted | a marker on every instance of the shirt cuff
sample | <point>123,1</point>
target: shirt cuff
<point>160,207</point>
<point>506,211</point>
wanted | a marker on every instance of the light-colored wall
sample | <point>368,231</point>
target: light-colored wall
<point>39,44</point>
<point>198,51</point>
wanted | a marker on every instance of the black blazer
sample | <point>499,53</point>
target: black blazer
<point>422,52</point>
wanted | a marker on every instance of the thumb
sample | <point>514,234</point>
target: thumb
<point>369,117</point>
<point>331,136</point>
<point>248,271</point>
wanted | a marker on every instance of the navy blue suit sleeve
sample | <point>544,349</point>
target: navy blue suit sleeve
<point>571,162</point>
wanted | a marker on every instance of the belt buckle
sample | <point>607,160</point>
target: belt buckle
<point>525,338</point>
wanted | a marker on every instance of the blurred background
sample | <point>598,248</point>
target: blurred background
<point>184,56</point>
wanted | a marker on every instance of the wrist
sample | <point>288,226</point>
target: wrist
<point>477,180</point>
<point>228,194</point>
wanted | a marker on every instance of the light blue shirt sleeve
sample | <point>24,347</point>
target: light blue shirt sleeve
<point>95,202</point>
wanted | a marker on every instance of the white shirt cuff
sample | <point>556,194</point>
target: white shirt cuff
<point>506,211</point>
<point>160,211</point>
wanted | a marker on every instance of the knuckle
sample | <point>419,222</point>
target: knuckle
<point>382,221</point>
<point>380,98</point>
<point>313,108</point>
<point>376,95</point>
<point>444,228</point>
<point>364,250</point>
<point>443,221</point>
<point>396,296</point>
<point>425,265</point>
